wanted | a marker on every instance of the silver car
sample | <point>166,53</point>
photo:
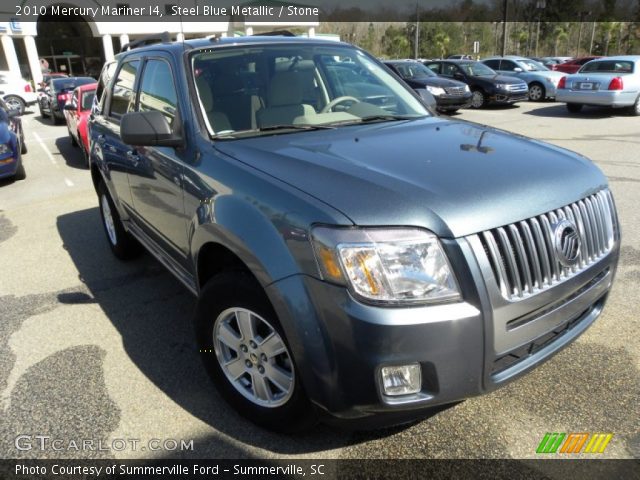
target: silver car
<point>611,82</point>
<point>541,81</point>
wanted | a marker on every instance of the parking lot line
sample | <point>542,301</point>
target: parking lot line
<point>44,147</point>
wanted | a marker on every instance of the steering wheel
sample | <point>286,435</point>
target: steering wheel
<point>329,106</point>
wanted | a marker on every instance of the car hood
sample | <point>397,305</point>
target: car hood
<point>438,82</point>
<point>501,79</point>
<point>452,177</point>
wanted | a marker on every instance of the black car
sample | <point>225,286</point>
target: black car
<point>56,95</point>
<point>485,84</point>
<point>450,95</point>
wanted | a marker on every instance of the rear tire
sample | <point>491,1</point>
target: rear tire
<point>635,109</point>
<point>14,101</point>
<point>479,99</point>
<point>42,114</point>
<point>54,119</point>
<point>21,174</point>
<point>122,244</point>
<point>537,92</point>
<point>574,107</point>
<point>74,142</point>
<point>242,361</point>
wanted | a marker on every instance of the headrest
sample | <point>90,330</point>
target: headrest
<point>285,89</point>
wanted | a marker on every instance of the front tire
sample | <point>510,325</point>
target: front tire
<point>574,107</point>
<point>479,99</point>
<point>245,352</point>
<point>74,142</point>
<point>537,92</point>
<point>122,244</point>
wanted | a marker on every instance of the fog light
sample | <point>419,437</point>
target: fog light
<point>401,380</point>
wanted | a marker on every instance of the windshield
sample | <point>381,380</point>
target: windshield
<point>533,66</point>
<point>413,70</point>
<point>477,69</point>
<point>246,91</point>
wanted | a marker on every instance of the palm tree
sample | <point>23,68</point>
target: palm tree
<point>561,35</point>
<point>441,39</point>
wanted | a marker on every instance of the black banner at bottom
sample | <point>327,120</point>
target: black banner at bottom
<point>18,469</point>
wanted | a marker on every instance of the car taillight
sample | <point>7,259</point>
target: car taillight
<point>562,83</point>
<point>616,84</point>
<point>27,87</point>
<point>63,97</point>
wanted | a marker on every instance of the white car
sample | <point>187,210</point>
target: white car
<point>16,92</point>
<point>607,82</point>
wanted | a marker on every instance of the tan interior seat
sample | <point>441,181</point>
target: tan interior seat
<point>284,101</point>
<point>218,120</point>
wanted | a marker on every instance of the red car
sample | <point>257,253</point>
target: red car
<point>572,66</point>
<point>76,113</point>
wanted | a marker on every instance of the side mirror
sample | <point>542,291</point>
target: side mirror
<point>69,106</point>
<point>148,129</point>
<point>427,99</point>
<point>518,70</point>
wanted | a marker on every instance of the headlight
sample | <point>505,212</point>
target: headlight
<point>435,90</point>
<point>466,88</point>
<point>501,86</point>
<point>4,148</point>
<point>396,265</point>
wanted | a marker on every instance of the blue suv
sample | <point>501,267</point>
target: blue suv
<point>354,256</point>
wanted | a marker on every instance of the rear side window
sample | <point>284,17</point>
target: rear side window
<point>495,64</point>
<point>123,95</point>
<point>157,91</point>
<point>609,66</point>
<point>434,67</point>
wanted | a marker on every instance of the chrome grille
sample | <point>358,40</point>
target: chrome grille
<point>517,87</point>
<point>455,91</point>
<point>522,255</point>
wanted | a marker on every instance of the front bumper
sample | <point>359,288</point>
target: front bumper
<point>9,166</point>
<point>506,97</point>
<point>453,102</point>
<point>464,349</point>
<point>605,98</point>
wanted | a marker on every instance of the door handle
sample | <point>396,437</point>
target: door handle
<point>133,157</point>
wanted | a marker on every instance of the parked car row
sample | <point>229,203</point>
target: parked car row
<point>12,144</point>
<point>601,81</point>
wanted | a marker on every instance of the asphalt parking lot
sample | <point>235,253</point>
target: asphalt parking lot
<point>93,348</point>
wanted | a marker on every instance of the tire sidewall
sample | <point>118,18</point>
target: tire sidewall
<point>542,92</point>
<point>481,94</point>
<point>124,247</point>
<point>238,289</point>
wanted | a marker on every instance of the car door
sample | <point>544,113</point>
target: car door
<point>105,130</point>
<point>156,173</point>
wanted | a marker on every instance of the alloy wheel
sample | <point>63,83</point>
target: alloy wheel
<point>253,357</point>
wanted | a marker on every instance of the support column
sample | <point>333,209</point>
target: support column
<point>34,61</point>
<point>180,37</point>
<point>107,44</point>
<point>248,31</point>
<point>10,54</point>
<point>311,32</point>
<point>124,39</point>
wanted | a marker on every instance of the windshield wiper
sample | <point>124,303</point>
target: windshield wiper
<point>270,128</point>
<point>377,118</point>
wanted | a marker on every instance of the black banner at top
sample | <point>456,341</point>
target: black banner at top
<point>314,11</point>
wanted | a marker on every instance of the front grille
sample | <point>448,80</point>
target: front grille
<point>455,91</point>
<point>523,255</point>
<point>522,353</point>
<point>517,87</point>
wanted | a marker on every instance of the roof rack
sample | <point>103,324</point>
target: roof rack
<point>163,37</point>
<point>275,33</point>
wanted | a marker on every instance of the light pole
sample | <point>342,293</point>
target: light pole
<point>417,31</point>
<point>505,6</point>
<point>582,15</point>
